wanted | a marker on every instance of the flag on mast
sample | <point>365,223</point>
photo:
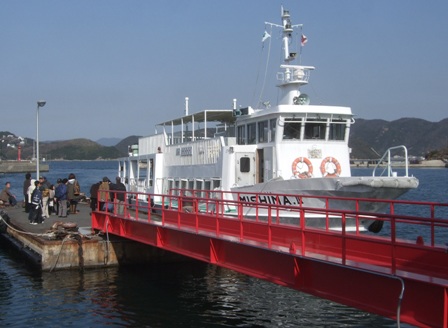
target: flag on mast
<point>303,40</point>
<point>266,36</point>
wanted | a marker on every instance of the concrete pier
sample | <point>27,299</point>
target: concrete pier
<point>21,167</point>
<point>54,249</point>
<point>423,164</point>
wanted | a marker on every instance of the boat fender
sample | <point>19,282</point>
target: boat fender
<point>330,167</point>
<point>302,168</point>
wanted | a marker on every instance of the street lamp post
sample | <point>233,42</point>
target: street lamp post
<point>40,103</point>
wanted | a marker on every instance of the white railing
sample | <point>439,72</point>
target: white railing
<point>388,167</point>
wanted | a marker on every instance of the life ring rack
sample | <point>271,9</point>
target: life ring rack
<point>297,172</point>
<point>330,167</point>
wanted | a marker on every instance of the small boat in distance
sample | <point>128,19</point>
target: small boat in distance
<point>292,148</point>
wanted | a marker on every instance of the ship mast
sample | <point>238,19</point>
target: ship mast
<point>291,77</point>
<point>287,32</point>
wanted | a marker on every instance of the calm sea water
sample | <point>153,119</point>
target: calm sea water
<point>188,294</point>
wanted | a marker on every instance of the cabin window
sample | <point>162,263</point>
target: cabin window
<point>241,135</point>
<point>198,186</point>
<point>183,184</point>
<point>251,134</point>
<point>315,130</point>
<point>151,172</point>
<point>244,164</point>
<point>273,125</point>
<point>263,131</point>
<point>291,131</point>
<point>337,131</point>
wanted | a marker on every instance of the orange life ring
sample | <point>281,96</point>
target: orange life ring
<point>298,168</point>
<point>330,167</point>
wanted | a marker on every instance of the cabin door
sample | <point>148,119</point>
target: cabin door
<point>265,169</point>
<point>245,169</point>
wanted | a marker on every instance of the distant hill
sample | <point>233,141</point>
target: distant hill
<point>368,139</point>
<point>108,141</point>
<point>419,136</point>
<point>81,149</point>
<point>84,149</point>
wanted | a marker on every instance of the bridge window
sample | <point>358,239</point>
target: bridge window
<point>241,138</point>
<point>291,131</point>
<point>244,164</point>
<point>251,134</point>
<point>263,131</point>
<point>337,131</point>
<point>315,130</point>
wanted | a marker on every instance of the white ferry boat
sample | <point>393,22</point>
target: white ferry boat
<point>292,148</point>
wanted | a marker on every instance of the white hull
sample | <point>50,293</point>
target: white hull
<point>349,187</point>
<point>306,191</point>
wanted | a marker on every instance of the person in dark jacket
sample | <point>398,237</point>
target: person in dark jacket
<point>35,215</point>
<point>26,185</point>
<point>94,195</point>
<point>61,194</point>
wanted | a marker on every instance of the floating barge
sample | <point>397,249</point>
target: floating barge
<point>58,248</point>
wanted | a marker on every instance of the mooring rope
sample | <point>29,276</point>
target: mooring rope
<point>59,253</point>
<point>24,232</point>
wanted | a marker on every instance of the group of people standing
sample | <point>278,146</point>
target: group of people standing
<point>43,198</point>
<point>105,195</point>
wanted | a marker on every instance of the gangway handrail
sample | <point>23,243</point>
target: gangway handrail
<point>389,163</point>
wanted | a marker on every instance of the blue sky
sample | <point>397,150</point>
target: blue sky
<point>111,68</point>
